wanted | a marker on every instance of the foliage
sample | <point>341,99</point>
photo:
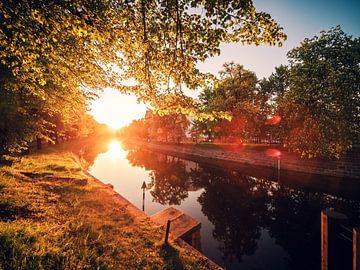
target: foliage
<point>321,105</point>
<point>315,100</point>
<point>151,41</point>
<point>56,54</point>
<point>237,94</point>
<point>136,129</point>
<point>27,116</point>
<point>166,128</point>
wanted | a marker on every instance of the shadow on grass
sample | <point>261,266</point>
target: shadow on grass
<point>2,185</point>
<point>68,189</point>
<point>171,258</point>
<point>33,175</point>
<point>55,167</point>
<point>5,162</point>
<point>10,211</point>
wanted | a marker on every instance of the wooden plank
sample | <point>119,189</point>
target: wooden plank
<point>164,215</point>
<point>324,241</point>
<point>181,223</point>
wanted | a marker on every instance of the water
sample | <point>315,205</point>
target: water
<point>247,222</point>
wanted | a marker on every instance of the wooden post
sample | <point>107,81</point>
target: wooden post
<point>38,143</point>
<point>278,163</point>
<point>167,232</point>
<point>356,249</point>
<point>278,169</point>
<point>324,241</point>
<point>143,201</point>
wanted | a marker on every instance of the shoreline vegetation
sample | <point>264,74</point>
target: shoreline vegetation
<point>55,216</point>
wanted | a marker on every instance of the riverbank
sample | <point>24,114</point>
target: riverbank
<point>55,216</point>
<point>346,167</point>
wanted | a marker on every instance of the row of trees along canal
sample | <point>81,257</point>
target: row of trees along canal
<point>55,55</point>
<point>314,101</point>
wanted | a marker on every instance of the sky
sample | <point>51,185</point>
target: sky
<point>300,19</point>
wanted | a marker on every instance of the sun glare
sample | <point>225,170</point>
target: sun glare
<point>115,109</point>
<point>115,150</point>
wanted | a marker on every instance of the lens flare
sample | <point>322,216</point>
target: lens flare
<point>276,119</point>
<point>272,152</point>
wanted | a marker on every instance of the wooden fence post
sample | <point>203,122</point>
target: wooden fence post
<point>167,232</point>
<point>356,249</point>
<point>324,241</point>
<point>38,143</point>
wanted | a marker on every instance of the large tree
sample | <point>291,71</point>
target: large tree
<point>321,101</point>
<point>61,50</point>
<point>237,94</point>
<point>155,42</point>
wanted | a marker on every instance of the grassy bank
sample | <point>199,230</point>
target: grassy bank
<point>54,216</point>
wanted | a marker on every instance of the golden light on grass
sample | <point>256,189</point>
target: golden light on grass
<point>115,109</point>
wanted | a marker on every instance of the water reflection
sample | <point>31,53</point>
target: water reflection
<point>169,182</point>
<point>115,150</point>
<point>248,222</point>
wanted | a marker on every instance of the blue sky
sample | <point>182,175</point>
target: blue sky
<point>300,19</point>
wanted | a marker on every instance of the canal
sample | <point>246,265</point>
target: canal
<point>247,222</point>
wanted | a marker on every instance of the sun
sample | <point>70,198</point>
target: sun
<point>115,109</point>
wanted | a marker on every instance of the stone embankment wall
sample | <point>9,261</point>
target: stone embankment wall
<point>347,167</point>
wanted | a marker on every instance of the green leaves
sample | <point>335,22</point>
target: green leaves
<point>154,42</point>
<point>239,103</point>
<point>56,49</point>
<point>321,104</point>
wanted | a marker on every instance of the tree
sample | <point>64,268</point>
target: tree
<point>168,128</point>
<point>273,90</point>
<point>236,93</point>
<point>136,129</point>
<point>27,116</point>
<point>154,42</point>
<point>321,107</point>
<point>59,50</point>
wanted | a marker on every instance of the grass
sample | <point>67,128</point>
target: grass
<point>53,216</point>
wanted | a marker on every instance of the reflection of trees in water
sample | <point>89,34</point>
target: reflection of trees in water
<point>169,178</point>
<point>90,148</point>
<point>236,211</point>
<point>241,206</point>
<point>168,186</point>
<point>295,223</point>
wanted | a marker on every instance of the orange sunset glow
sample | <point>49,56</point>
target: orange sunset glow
<point>115,109</point>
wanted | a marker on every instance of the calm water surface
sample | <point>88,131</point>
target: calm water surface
<point>247,222</point>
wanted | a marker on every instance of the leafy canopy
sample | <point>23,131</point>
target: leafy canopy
<point>55,54</point>
<point>321,103</point>
<point>101,43</point>
<point>236,95</point>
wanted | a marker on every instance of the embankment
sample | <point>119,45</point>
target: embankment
<point>347,167</point>
<point>54,216</point>
<point>336,177</point>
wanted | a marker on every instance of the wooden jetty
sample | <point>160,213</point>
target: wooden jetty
<point>182,228</point>
<point>182,225</point>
